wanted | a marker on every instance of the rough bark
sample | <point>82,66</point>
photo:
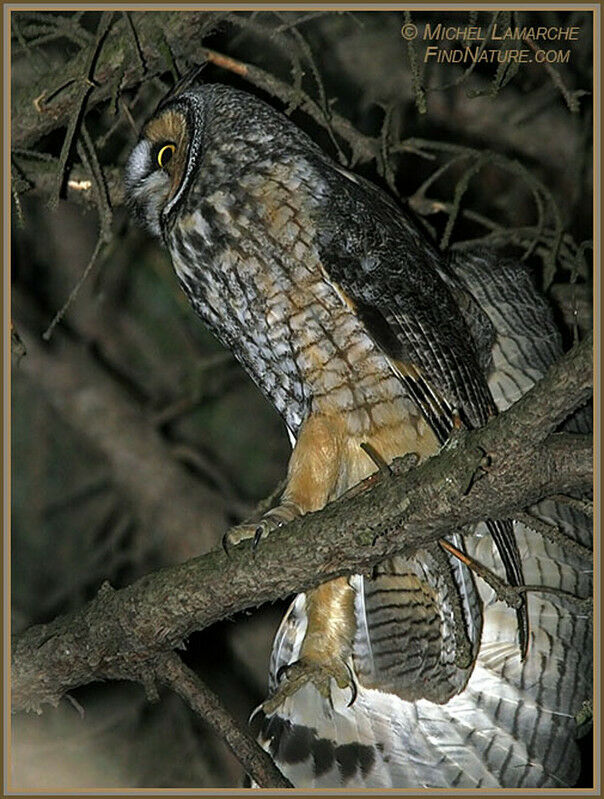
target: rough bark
<point>489,473</point>
<point>39,107</point>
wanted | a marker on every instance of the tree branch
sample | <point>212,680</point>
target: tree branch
<point>79,188</point>
<point>39,108</point>
<point>171,671</point>
<point>120,633</point>
<point>105,78</point>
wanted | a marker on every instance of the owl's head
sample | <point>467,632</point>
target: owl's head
<point>163,163</point>
<point>210,120</point>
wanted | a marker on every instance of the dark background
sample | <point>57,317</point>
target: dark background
<point>501,154</point>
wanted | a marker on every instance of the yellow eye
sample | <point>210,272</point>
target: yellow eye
<point>165,154</point>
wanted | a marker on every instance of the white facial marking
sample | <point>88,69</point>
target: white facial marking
<point>138,163</point>
<point>147,185</point>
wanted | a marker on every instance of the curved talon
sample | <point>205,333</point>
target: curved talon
<point>354,691</point>
<point>254,713</point>
<point>257,537</point>
<point>301,672</point>
<point>225,544</point>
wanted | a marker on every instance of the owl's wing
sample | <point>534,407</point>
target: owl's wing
<point>526,340</point>
<point>379,265</point>
<point>514,723</point>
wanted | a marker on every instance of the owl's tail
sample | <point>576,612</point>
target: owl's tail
<point>513,725</point>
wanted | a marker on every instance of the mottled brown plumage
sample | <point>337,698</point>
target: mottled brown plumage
<point>359,333</point>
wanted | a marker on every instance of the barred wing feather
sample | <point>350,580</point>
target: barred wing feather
<point>513,725</point>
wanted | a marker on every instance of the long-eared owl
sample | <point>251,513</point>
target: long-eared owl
<point>360,332</point>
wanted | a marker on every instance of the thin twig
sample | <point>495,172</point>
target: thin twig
<point>583,602</point>
<point>300,20</point>
<point>504,592</point>
<point>554,534</point>
<point>571,98</point>
<point>385,155</point>
<point>89,157</point>
<point>80,105</point>
<point>416,72</point>
<point>510,594</point>
<point>16,27</point>
<point>90,160</point>
<point>173,673</point>
<point>74,291</point>
<point>460,190</point>
<point>75,704</point>
<point>137,46</point>
<point>376,458</point>
<point>323,101</point>
<point>208,467</point>
<point>468,71</point>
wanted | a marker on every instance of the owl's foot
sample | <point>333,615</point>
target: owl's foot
<point>319,673</point>
<point>277,517</point>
